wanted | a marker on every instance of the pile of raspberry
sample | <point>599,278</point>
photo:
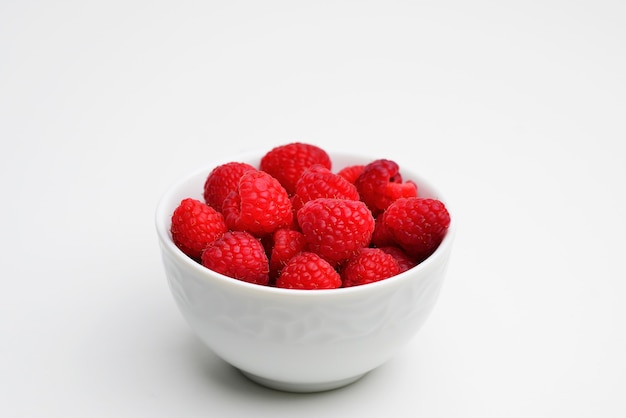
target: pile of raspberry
<point>294,223</point>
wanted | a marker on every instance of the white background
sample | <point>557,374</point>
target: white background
<point>516,110</point>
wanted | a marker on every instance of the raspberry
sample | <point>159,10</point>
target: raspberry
<point>194,226</point>
<point>351,172</point>
<point>260,205</point>
<point>404,261</point>
<point>382,236</point>
<point>318,181</point>
<point>368,265</point>
<point>221,181</point>
<point>285,244</point>
<point>308,271</point>
<point>239,255</point>
<point>294,223</point>
<point>287,162</point>
<point>380,183</point>
<point>417,224</point>
<point>335,229</point>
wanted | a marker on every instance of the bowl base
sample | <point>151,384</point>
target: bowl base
<point>301,387</point>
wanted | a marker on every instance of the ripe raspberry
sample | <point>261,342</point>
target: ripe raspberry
<point>352,172</point>
<point>382,236</point>
<point>285,244</point>
<point>318,181</point>
<point>308,271</point>
<point>404,261</point>
<point>222,180</point>
<point>239,255</point>
<point>260,205</point>
<point>380,183</point>
<point>287,162</point>
<point>335,229</point>
<point>368,265</point>
<point>417,224</point>
<point>194,226</point>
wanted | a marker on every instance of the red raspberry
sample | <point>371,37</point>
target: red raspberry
<point>404,261</point>
<point>335,229</point>
<point>351,172</point>
<point>417,224</point>
<point>260,205</point>
<point>382,236</point>
<point>287,162</point>
<point>308,271</point>
<point>367,266</point>
<point>285,244</point>
<point>222,180</point>
<point>239,255</point>
<point>318,181</point>
<point>380,183</point>
<point>194,226</point>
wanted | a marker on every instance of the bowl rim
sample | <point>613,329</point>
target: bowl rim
<point>162,219</point>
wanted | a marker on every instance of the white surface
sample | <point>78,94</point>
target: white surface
<point>516,111</point>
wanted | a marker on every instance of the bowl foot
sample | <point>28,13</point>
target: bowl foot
<point>301,387</point>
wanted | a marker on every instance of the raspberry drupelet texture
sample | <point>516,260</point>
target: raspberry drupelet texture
<point>260,205</point>
<point>368,265</point>
<point>239,255</point>
<point>318,181</point>
<point>404,261</point>
<point>382,236</point>
<point>222,180</point>
<point>195,225</point>
<point>287,162</point>
<point>417,225</point>
<point>308,271</point>
<point>380,183</point>
<point>285,244</point>
<point>351,172</point>
<point>336,229</point>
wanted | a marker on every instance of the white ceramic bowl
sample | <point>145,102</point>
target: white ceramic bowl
<point>300,340</point>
